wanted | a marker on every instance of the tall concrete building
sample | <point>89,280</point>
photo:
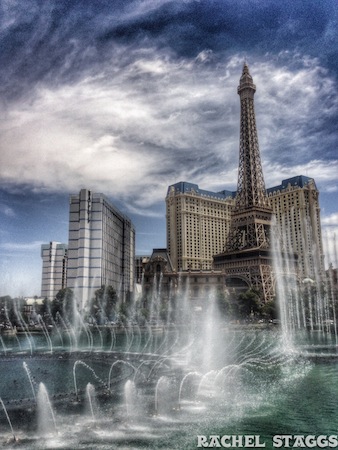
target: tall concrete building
<point>101,247</point>
<point>54,269</point>
<point>198,223</point>
<point>295,203</point>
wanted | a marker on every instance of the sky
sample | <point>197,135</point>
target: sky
<point>127,97</point>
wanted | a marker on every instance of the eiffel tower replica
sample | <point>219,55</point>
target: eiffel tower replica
<point>247,257</point>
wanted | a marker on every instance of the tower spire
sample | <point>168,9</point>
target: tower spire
<point>251,190</point>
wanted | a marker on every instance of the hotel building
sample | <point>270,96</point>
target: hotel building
<point>198,223</point>
<point>296,206</point>
<point>54,269</point>
<point>101,247</point>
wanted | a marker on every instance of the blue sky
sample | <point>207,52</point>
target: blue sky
<point>127,97</point>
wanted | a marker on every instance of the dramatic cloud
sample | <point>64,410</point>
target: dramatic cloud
<point>165,120</point>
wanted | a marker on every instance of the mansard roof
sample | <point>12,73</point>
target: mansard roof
<point>299,180</point>
<point>184,187</point>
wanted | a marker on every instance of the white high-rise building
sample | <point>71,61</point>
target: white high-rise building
<point>101,247</point>
<point>54,269</point>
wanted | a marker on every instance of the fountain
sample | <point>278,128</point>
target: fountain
<point>91,400</point>
<point>131,402</point>
<point>8,419</point>
<point>45,413</point>
<point>142,385</point>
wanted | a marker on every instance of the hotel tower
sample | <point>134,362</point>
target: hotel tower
<point>101,247</point>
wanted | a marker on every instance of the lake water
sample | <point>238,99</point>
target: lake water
<point>232,382</point>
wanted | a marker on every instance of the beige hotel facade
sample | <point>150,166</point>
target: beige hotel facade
<point>198,222</point>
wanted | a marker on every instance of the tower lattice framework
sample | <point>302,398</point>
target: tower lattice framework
<point>247,254</point>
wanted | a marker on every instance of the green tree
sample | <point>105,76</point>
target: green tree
<point>45,309</point>
<point>12,316</point>
<point>5,301</point>
<point>63,304</point>
<point>269,310</point>
<point>248,303</point>
<point>103,306</point>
